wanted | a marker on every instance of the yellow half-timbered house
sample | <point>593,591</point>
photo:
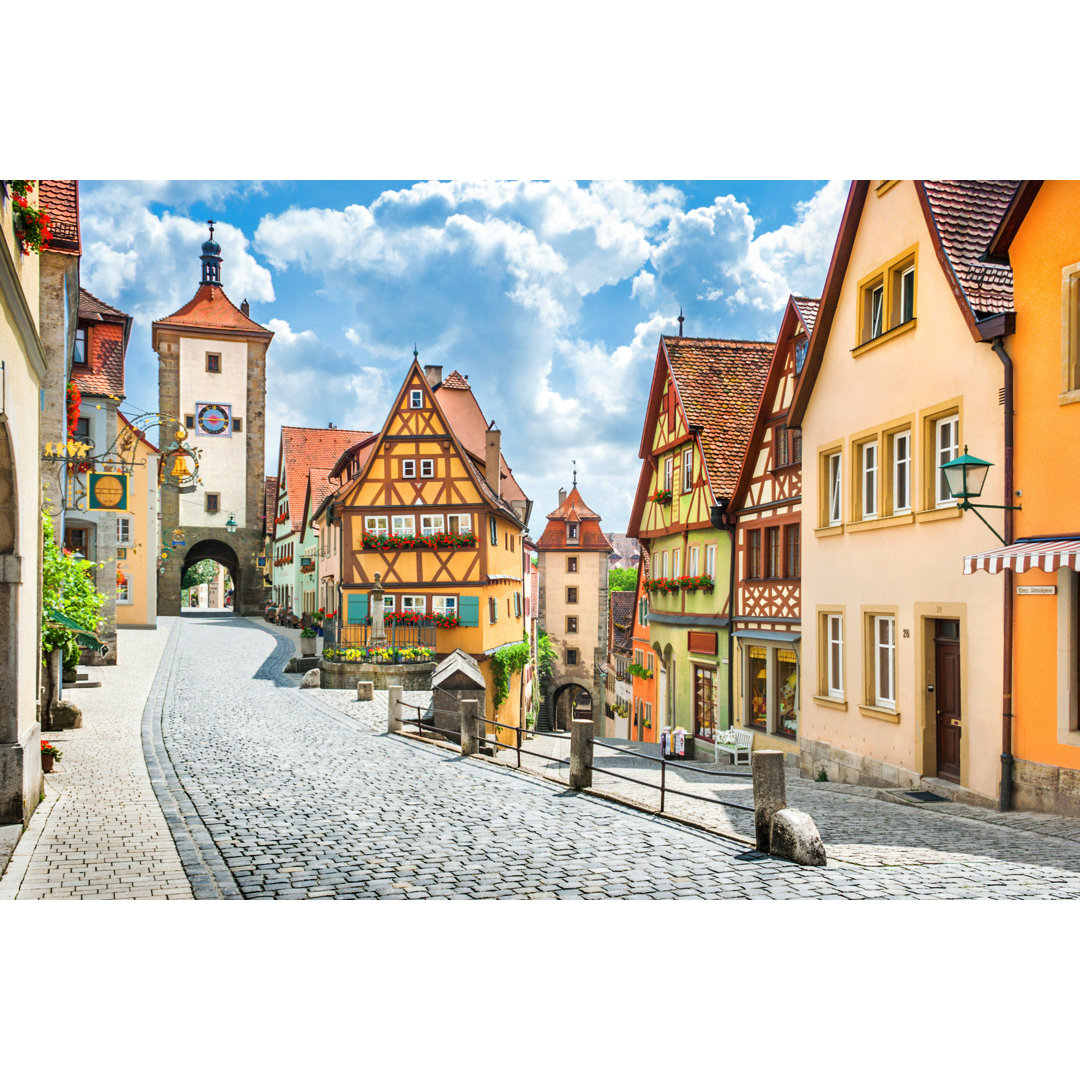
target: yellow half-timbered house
<point>442,525</point>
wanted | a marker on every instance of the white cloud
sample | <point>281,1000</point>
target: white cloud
<point>644,287</point>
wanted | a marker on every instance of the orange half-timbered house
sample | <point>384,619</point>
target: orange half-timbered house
<point>766,508</point>
<point>441,526</point>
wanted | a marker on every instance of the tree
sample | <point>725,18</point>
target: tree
<point>621,579</point>
<point>201,573</point>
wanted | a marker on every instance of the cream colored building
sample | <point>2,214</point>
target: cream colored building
<point>137,532</point>
<point>902,676</point>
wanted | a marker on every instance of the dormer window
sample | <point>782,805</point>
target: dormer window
<point>416,399</point>
<point>81,355</point>
<point>571,532</point>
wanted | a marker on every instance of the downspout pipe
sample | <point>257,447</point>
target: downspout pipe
<point>721,519</point>
<point>1005,795</point>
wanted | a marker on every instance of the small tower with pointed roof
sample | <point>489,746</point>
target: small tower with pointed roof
<point>573,562</point>
<point>212,378</point>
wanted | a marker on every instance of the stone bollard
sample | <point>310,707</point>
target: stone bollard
<point>581,754</point>
<point>470,726</point>
<point>795,837</point>
<point>393,712</point>
<point>365,691</point>
<point>770,794</point>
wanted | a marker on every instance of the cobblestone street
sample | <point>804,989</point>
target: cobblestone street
<point>273,792</point>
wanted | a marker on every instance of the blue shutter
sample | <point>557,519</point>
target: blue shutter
<point>469,610</point>
<point>357,609</point>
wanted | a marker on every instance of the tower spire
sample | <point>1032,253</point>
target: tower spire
<point>680,320</point>
<point>211,259</point>
<point>574,463</point>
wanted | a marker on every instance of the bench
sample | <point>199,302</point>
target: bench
<point>736,743</point>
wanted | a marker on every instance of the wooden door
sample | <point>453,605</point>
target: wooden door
<point>947,698</point>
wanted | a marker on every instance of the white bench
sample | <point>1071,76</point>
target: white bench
<point>736,743</point>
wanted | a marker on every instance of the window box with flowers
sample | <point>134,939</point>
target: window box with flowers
<point>638,671</point>
<point>410,541</point>
<point>31,225</point>
<point>662,497</point>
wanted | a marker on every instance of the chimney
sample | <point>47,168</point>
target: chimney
<point>492,449</point>
<point>562,496</point>
<point>245,308</point>
<point>433,374</point>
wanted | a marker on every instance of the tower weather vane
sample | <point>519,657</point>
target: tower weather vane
<point>574,463</point>
<point>210,222</point>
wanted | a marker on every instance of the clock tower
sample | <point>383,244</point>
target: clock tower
<point>212,379</point>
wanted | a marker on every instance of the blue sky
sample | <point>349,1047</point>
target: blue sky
<point>550,296</point>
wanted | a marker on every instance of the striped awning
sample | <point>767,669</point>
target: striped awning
<point>1046,555</point>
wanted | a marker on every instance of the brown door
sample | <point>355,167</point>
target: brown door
<point>947,694</point>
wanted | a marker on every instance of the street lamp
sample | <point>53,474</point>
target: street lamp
<point>230,525</point>
<point>965,477</point>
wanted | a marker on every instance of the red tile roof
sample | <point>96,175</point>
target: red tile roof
<point>319,486</point>
<point>966,214</point>
<point>211,309</point>
<point>108,330</point>
<point>60,200</point>
<point>590,535</point>
<point>622,618</point>
<point>455,381</point>
<point>720,385</point>
<point>807,310</point>
<point>304,449</point>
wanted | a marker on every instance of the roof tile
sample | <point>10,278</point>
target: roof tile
<point>807,310</point>
<point>211,308</point>
<point>60,200</point>
<point>304,449</point>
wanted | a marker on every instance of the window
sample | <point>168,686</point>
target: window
<point>493,610</point>
<point>123,531</point>
<point>758,686</point>
<point>664,565</point>
<point>650,660</point>
<point>237,424</point>
<point>834,471</point>
<point>123,588</point>
<point>704,702</point>
<point>427,468</point>
<point>376,525</point>
<point>571,657</point>
<point>408,468</point>
<point>82,429</point>
<point>901,472</point>
<point>413,604</point>
<point>887,297</point>
<point>796,445</point>
<point>456,524</point>
<point>571,595</point>
<point>868,472</point>
<point>189,421</point>
<point>791,551</point>
<point>786,664</point>
<point>833,636</point>
<point>907,294</point>
<point>946,447</point>
<point>692,561</point>
<point>877,310</point>
<point>669,470</point>
<point>753,554</point>
<point>402,523</point>
<point>571,532</point>
<point>517,605</point>
<point>81,356</point>
<point>1070,334</point>
<point>444,605</point>
<point>388,604</point>
<point>710,560</point>
<point>676,563</point>
<point>780,439</point>
<point>213,362</point>
<point>77,539</point>
<point>772,551</point>
<point>416,399</point>
<point>430,524</point>
<point>571,624</point>
<point>688,469</point>
<point>213,502</point>
<point>639,658</point>
<point>802,346</point>
<point>571,564</point>
<point>493,529</point>
<point>883,629</point>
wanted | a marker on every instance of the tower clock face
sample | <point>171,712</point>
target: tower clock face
<point>212,419</point>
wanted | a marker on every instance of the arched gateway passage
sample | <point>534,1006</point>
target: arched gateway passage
<point>221,553</point>
<point>571,701</point>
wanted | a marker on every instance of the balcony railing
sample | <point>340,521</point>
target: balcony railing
<point>399,644</point>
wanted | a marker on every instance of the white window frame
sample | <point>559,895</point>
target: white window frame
<point>376,529</point>
<point>907,291</point>
<point>664,564</point>
<point>688,469</point>
<point>877,310</point>
<point>834,671</point>
<point>444,605</point>
<point>693,561</point>
<point>834,472</point>
<point>676,562</point>
<point>943,455</point>
<point>416,399</point>
<point>414,604</point>
<point>123,531</point>
<point>868,478</point>
<point>123,592</point>
<point>388,603</point>
<point>402,523</point>
<point>710,560</point>
<point>669,471</point>
<point>456,524</point>
<point>408,468</point>
<point>901,472</point>
<point>427,468</point>
<point>428,526</point>
<point>571,533</point>
<point>884,647</point>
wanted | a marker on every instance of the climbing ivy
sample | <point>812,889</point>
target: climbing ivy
<point>504,663</point>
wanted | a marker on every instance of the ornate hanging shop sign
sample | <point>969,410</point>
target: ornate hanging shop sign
<point>107,491</point>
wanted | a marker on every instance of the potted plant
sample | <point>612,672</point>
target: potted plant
<point>307,641</point>
<point>49,755</point>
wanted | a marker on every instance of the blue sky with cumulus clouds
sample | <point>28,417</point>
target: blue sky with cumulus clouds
<point>550,296</point>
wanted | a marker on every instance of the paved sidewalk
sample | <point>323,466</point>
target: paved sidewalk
<point>100,833</point>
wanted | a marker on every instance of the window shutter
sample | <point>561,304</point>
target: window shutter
<point>469,610</point>
<point>358,607</point>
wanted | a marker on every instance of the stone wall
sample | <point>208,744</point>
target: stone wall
<point>1048,788</point>
<point>847,767</point>
<point>345,676</point>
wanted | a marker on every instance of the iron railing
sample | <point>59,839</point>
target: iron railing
<point>396,640</point>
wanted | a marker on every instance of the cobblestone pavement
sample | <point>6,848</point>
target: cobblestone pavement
<point>100,833</point>
<point>304,795</point>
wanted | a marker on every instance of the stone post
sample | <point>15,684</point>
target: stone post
<point>365,690</point>
<point>581,754</point>
<point>770,794</point>
<point>470,726</point>
<point>375,610</point>
<point>393,712</point>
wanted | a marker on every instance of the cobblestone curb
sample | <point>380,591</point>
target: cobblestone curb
<point>206,870</point>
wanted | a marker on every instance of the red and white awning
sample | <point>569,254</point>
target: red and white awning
<point>1047,555</point>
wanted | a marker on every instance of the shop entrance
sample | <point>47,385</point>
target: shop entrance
<point>947,697</point>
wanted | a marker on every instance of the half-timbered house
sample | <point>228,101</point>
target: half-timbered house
<point>701,409</point>
<point>766,507</point>
<point>440,524</point>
